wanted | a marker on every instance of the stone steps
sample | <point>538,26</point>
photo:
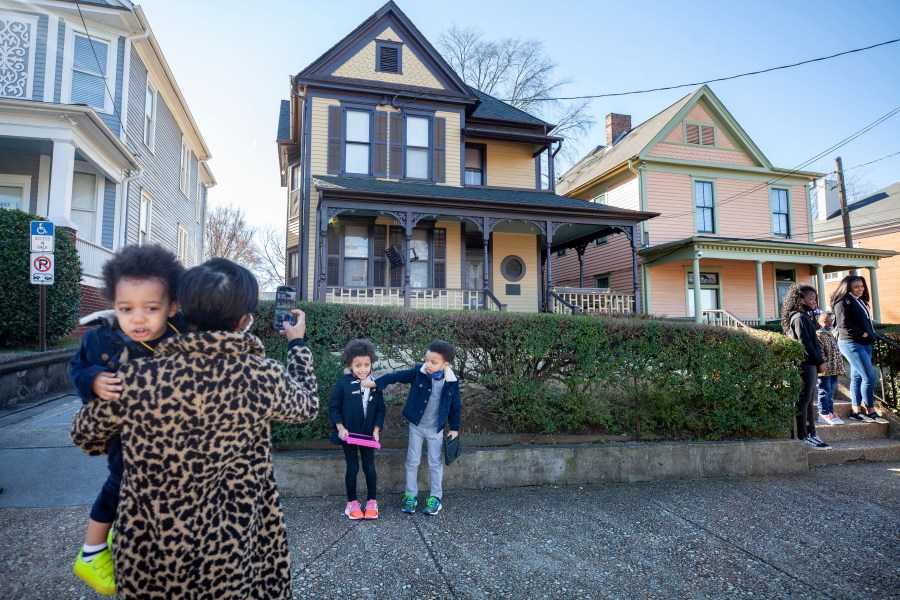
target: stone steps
<point>883,450</point>
<point>851,430</point>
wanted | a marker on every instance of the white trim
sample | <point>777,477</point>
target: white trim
<point>32,22</point>
<point>117,221</point>
<point>145,195</point>
<point>99,197</point>
<point>198,212</point>
<point>126,81</point>
<point>111,64</point>
<point>23,181</point>
<point>50,60</point>
<point>182,245</point>
<point>43,190</point>
<point>184,168</point>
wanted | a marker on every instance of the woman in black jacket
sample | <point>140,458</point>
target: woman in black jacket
<point>850,303</point>
<point>796,323</point>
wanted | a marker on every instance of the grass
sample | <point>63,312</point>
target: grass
<point>27,349</point>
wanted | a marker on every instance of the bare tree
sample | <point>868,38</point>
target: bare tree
<point>518,71</point>
<point>228,235</point>
<point>270,247</point>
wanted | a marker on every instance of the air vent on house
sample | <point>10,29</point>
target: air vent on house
<point>703,135</point>
<point>389,59</point>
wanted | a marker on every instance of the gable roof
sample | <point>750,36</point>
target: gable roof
<point>880,209</point>
<point>321,70</point>
<point>492,108</point>
<point>642,138</point>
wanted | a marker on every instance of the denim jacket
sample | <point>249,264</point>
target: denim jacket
<point>420,392</point>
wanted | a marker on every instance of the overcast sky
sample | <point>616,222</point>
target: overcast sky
<point>232,61</point>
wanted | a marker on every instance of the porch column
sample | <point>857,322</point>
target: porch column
<point>485,239</point>
<point>760,298</point>
<point>322,288</point>
<point>580,250</point>
<point>549,262</point>
<point>698,302</point>
<point>820,282</point>
<point>635,290</point>
<point>407,251</point>
<point>876,302</point>
<point>62,175</point>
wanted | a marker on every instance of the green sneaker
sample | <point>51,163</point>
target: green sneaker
<point>409,503</point>
<point>432,506</point>
<point>98,573</point>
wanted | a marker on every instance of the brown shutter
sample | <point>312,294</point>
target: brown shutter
<point>440,258</point>
<point>396,146</point>
<point>439,156</point>
<point>692,134</point>
<point>333,271</point>
<point>381,125</point>
<point>335,138</point>
<point>708,136</point>
<point>379,268</point>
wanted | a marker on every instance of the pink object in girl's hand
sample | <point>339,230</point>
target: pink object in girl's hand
<point>359,439</point>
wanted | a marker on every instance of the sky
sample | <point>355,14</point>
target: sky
<point>233,64</point>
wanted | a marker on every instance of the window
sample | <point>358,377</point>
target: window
<point>182,244</point>
<point>84,204</point>
<point>293,264</point>
<point>357,149</point>
<point>150,98</point>
<point>146,217</point>
<point>602,282</point>
<point>295,177</point>
<point>599,198</point>
<point>561,252</point>
<point>90,61</point>
<point>356,256</point>
<point>709,292</point>
<point>417,147</point>
<point>475,163</point>
<point>185,167</point>
<point>388,57</point>
<point>601,240</point>
<point>703,135</point>
<point>15,192</point>
<point>513,268</point>
<point>781,224</point>
<point>198,206</point>
<point>836,276</point>
<point>704,206</point>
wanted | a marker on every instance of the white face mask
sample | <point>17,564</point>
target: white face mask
<point>248,325</point>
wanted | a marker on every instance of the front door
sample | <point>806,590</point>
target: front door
<point>784,279</point>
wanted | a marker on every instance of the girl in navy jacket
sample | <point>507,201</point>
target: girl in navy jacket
<point>357,409</point>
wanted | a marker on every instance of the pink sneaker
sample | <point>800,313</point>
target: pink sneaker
<point>353,511</point>
<point>836,420</point>
<point>829,419</point>
<point>371,509</point>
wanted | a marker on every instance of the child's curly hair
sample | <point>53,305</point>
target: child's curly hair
<point>142,262</point>
<point>358,348</point>
<point>445,349</point>
<point>793,301</point>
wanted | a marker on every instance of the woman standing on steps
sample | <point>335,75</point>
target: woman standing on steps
<point>850,303</point>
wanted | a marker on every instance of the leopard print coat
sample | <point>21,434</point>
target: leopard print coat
<point>199,513</point>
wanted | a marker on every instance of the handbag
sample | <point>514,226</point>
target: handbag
<point>452,449</point>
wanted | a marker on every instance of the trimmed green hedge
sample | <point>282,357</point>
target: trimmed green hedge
<point>20,305</point>
<point>541,373</point>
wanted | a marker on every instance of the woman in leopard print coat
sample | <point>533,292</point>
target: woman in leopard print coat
<point>199,515</point>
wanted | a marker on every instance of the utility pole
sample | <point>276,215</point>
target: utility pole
<point>842,196</point>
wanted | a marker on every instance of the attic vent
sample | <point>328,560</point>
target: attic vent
<point>702,135</point>
<point>389,59</point>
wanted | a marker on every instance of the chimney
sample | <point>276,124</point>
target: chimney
<point>616,125</point>
<point>825,198</point>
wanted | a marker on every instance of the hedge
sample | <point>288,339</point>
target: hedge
<point>543,373</point>
<point>19,306</point>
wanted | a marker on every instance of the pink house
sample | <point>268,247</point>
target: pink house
<point>734,232</point>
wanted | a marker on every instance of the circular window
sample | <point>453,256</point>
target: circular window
<point>513,268</point>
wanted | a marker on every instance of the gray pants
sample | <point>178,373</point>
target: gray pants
<point>435,442</point>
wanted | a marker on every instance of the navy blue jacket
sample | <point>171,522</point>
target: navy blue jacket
<point>104,349</point>
<point>345,407</point>
<point>420,392</point>
<point>852,321</point>
<point>803,330</point>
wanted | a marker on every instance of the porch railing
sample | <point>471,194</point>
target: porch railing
<point>92,257</point>
<point>887,359</point>
<point>722,318</point>
<point>418,298</point>
<point>591,300</point>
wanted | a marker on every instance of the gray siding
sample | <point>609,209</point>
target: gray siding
<point>161,169</point>
<point>113,120</point>
<point>60,49</point>
<point>109,214</point>
<point>40,52</point>
<point>20,163</point>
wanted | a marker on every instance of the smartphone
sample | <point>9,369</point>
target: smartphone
<point>285,302</point>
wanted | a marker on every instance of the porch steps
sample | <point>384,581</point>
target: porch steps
<point>855,441</point>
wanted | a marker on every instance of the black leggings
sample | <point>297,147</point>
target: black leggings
<point>368,465</point>
<point>806,407</point>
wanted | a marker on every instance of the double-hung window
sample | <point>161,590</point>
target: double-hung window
<point>145,218</point>
<point>704,207</point>
<point>90,62</point>
<point>182,244</point>
<point>84,205</point>
<point>475,164</point>
<point>185,167</point>
<point>781,223</point>
<point>150,98</point>
<point>418,147</point>
<point>358,142</point>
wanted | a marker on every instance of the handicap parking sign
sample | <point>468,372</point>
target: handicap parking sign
<point>42,236</point>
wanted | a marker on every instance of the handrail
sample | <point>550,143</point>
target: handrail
<point>575,310</point>
<point>489,294</point>
<point>887,361</point>
<point>727,320</point>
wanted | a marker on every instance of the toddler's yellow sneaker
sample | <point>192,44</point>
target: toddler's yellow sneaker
<point>98,573</point>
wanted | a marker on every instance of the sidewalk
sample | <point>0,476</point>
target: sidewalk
<point>831,533</point>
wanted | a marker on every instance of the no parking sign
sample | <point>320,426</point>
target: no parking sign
<point>42,268</point>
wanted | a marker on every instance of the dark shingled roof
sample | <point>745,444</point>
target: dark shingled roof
<point>879,209</point>
<point>492,108</point>
<point>524,197</point>
<point>284,121</point>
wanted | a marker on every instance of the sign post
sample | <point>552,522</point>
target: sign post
<point>43,243</point>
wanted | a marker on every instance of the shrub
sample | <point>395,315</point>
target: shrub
<point>19,309</point>
<point>542,373</point>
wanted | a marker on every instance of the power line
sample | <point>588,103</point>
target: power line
<point>683,85</point>
<point>870,162</point>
